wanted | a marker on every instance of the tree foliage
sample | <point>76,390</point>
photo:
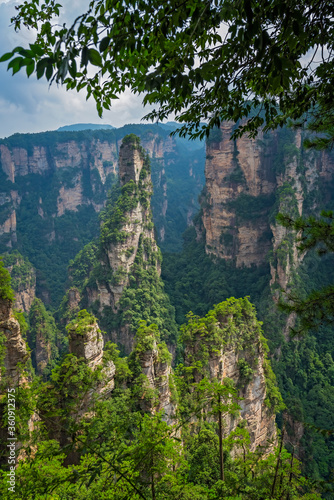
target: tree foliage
<point>318,307</point>
<point>6,292</point>
<point>213,60</point>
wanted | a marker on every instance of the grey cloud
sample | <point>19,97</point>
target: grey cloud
<point>28,105</point>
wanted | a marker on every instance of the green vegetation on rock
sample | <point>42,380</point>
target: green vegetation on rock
<point>6,292</point>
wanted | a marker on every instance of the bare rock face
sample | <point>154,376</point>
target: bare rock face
<point>248,181</point>
<point>155,362</point>
<point>74,165</point>
<point>23,280</point>
<point>129,255</point>
<point>16,352</point>
<point>73,298</point>
<point>42,352</point>
<point>18,161</point>
<point>8,227</point>
<point>86,341</point>
<point>229,345</point>
<point>237,172</point>
<point>260,420</point>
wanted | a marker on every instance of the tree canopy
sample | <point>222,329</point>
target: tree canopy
<point>212,60</point>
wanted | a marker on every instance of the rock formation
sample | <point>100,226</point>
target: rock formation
<point>86,341</point>
<point>15,349</point>
<point>122,244</point>
<point>248,181</point>
<point>239,187</point>
<point>81,166</point>
<point>23,280</point>
<point>125,286</point>
<point>228,344</point>
<point>154,360</point>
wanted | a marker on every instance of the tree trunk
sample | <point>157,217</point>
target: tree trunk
<point>291,474</point>
<point>277,465</point>
<point>221,453</point>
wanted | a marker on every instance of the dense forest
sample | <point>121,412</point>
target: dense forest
<point>170,374</point>
<point>166,306</point>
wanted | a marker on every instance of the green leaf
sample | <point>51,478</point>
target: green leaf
<point>36,49</point>
<point>6,56</point>
<point>40,68</point>
<point>73,68</point>
<point>104,43</point>
<point>296,27</point>
<point>30,68</point>
<point>49,70</point>
<point>16,64</point>
<point>94,57</point>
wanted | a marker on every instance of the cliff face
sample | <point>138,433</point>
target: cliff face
<point>247,183</point>
<point>86,341</point>
<point>15,347</point>
<point>124,286</point>
<point>32,159</point>
<point>157,386</point>
<point>228,345</point>
<point>54,184</point>
<point>237,174</point>
<point>121,248</point>
<point>78,171</point>
<point>23,280</point>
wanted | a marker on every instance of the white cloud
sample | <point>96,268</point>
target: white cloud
<point>28,105</point>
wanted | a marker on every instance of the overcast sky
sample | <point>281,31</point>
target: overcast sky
<point>28,105</point>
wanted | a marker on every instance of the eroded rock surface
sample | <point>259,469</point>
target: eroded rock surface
<point>16,352</point>
<point>228,345</point>
<point>86,341</point>
<point>248,181</point>
<point>155,363</point>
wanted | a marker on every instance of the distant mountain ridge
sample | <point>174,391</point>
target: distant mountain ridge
<point>77,127</point>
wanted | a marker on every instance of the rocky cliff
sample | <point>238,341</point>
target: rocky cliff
<point>156,388</point>
<point>239,189</point>
<point>248,181</point>
<point>15,349</point>
<point>54,184</point>
<point>119,278</point>
<point>130,223</point>
<point>228,345</point>
<point>86,341</point>
<point>23,280</point>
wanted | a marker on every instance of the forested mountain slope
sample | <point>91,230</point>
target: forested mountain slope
<point>234,247</point>
<point>238,248</point>
<point>54,184</point>
<point>135,416</point>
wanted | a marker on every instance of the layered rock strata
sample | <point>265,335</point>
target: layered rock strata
<point>86,341</point>
<point>237,174</point>
<point>227,345</point>
<point>77,169</point>
<point>158,390</point>
<point>16,352</point>
<point>248,181</point>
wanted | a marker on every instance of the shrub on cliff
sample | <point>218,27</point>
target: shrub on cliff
<point>6,292</point>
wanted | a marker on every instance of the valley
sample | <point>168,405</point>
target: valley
<point>147,272</point>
